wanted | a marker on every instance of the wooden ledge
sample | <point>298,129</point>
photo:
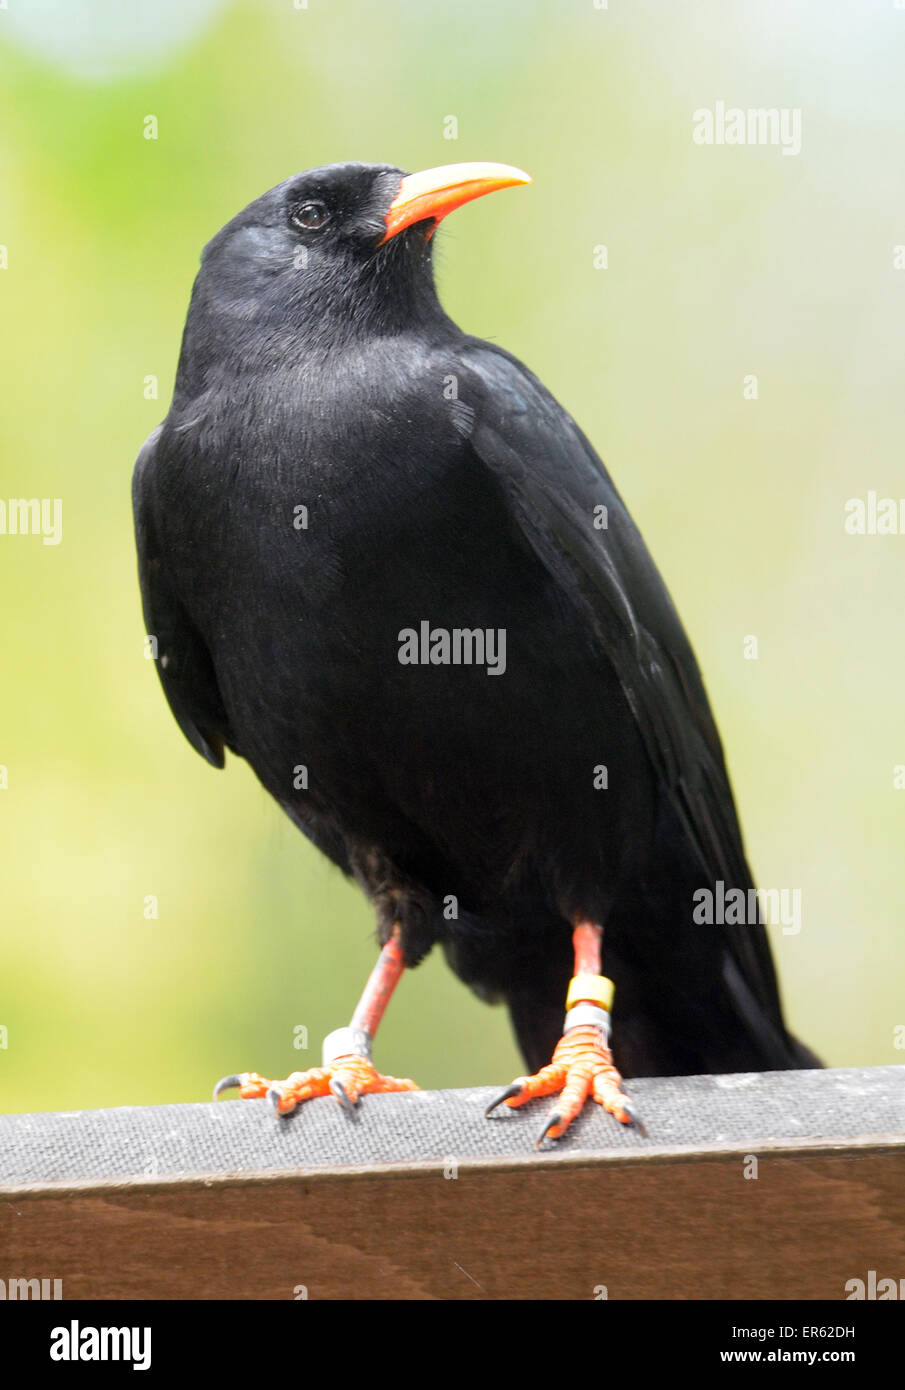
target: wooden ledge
<point>768,1185</point>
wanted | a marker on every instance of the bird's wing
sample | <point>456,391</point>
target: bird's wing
<point>556,485</point>
<point>183,661</point>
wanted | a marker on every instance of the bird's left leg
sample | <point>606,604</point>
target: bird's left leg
<point>347,1071</point>
<point>582,1064</point>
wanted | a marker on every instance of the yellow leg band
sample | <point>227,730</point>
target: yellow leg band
<point>591,989</point>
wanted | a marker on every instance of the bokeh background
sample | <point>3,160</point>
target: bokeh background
<point>722,262</point>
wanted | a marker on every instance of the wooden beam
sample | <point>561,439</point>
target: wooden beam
<point>772,1186</point>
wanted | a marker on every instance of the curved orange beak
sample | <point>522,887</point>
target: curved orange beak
<point>435,192</point>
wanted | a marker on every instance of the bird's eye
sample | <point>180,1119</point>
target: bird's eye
<point>311,216</point>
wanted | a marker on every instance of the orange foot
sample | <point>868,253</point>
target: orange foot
<point>347,1077</point>
<point>582,1065</point>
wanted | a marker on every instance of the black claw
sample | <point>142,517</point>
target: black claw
<point>514,1090</point>
<point>635,1118</point>
<point>552,1121</point>
<point>228,1083</point>
<point>342,1095</point>
<point>275,1095</point>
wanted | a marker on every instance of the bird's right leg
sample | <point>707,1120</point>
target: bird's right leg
<point>582,1064</point>
<point>347,1070</point>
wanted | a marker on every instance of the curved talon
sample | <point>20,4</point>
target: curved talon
<point>581,1069</point>
<point>342,1095</point>
<point>229,1083</point>
<point>347,1078</point>
<point>634,1118</point>
<point>552,1122</point>
<point>510,1092</point>
<point>274,1096</point>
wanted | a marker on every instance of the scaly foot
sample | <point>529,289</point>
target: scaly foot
<point>582,1066</point>
<point>347,1077</point>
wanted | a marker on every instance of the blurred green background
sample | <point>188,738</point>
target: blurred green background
<point>721,262</point>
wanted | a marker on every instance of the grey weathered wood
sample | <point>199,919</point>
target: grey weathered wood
<point>418,1196</point>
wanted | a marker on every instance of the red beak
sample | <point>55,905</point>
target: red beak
<point>435,192</point>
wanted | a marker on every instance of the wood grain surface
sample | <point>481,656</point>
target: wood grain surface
<point>683,1226</point>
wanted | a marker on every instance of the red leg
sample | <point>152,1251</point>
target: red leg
<point>582,1064</point>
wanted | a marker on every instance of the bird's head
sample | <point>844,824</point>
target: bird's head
<point>341,249</point>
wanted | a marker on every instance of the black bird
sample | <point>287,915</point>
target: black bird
<point>385,566</point>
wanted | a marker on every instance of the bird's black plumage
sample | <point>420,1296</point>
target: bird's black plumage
<point>444,484</point>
